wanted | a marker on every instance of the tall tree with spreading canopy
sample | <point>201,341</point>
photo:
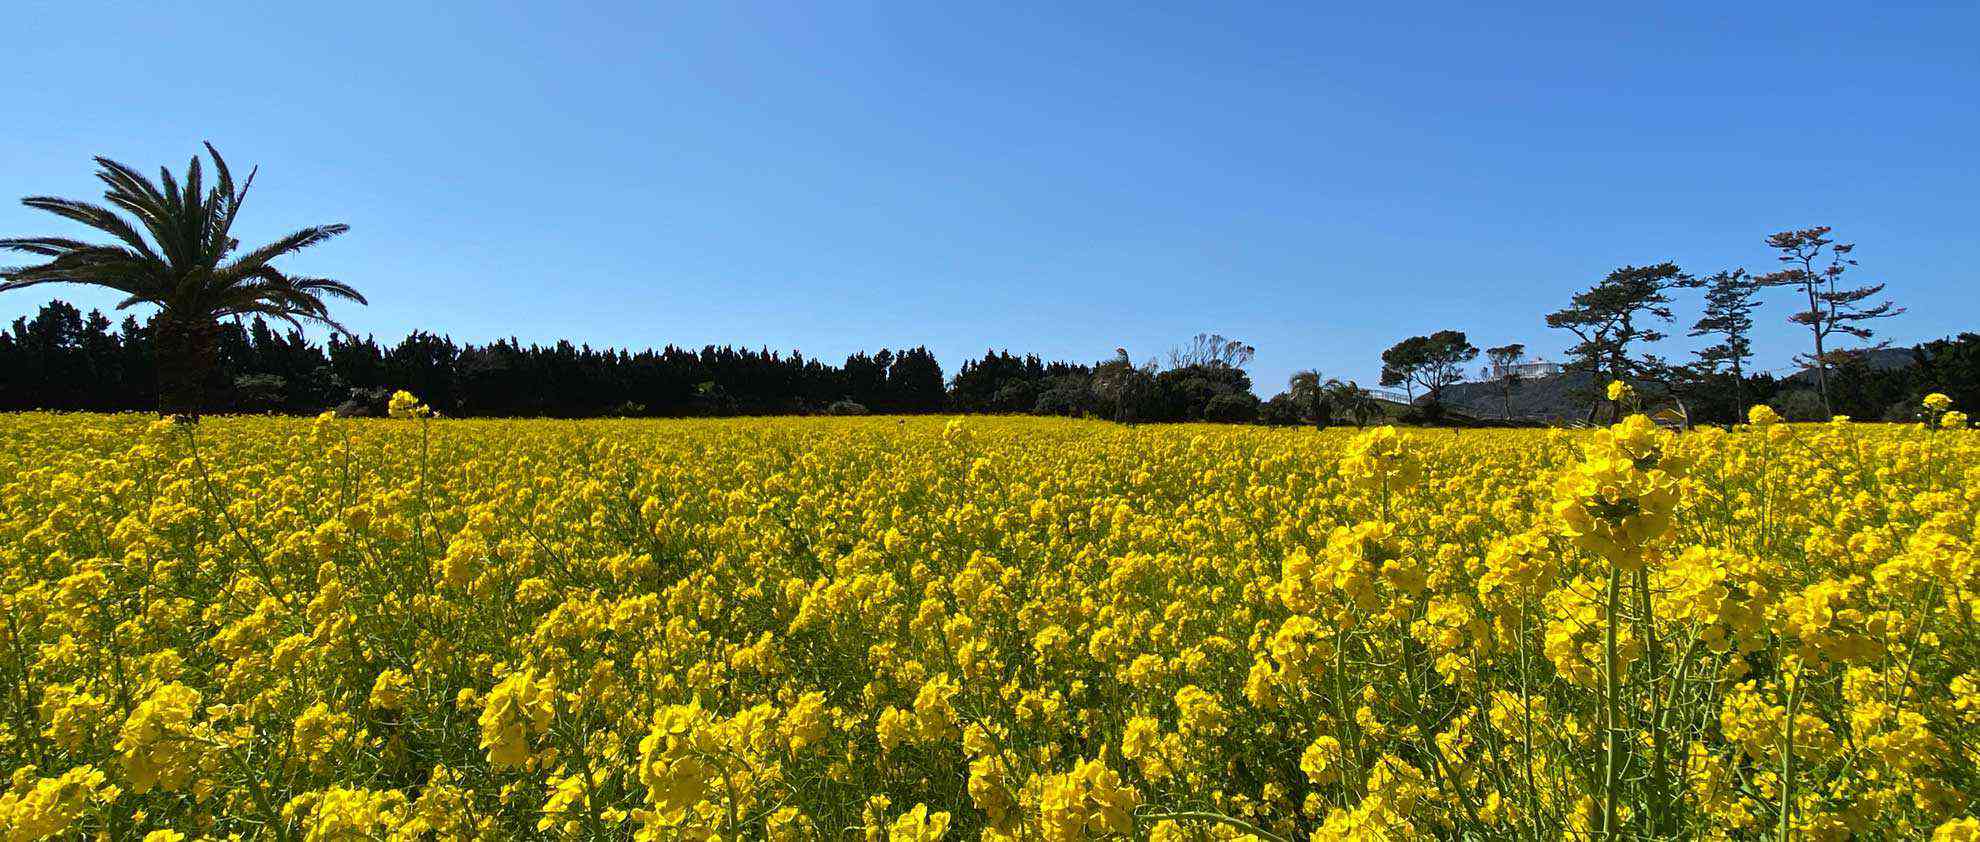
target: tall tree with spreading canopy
<point>181,257</point>
<point>1612,317</point>
<point>1730,297</point>
<point>1502,366</point>
<point>1832,309</point>
<point>1433,362</point>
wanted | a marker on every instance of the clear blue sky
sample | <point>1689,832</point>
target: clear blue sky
<point>1063,178</point>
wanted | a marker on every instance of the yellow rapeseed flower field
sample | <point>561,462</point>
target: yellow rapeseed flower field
<point>983,628</point>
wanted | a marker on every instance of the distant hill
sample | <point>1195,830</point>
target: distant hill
<point>1877,359</point>
<point>1560,397</point>
<point>1565,396</point>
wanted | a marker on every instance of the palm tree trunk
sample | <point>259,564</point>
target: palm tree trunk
<point>184,348</point>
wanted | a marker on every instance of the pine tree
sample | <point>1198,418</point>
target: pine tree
<point>1615,315</point>
<point>1730,298</point>
<point>1832,309</point>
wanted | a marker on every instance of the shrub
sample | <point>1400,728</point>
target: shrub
<point>845,407</point>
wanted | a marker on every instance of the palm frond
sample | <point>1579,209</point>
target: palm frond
<point>136,194</point>
<point>104,265</point>
<point>329,287</point>
<point>170,243</point>
<point>95,216</point>
<point>293,310</point>
<point>196,217</point>
<point>48,246</point>
<point>245,265</point>
<point>294,319</point>
<point>191,199</point>
<point>223,180</point>
<point>11,284</point>
<point>133,300</point>
<point>270,286</point>
<point>123,276</point>
<point>301,297</point>
<point>227,201</point>
<point>168,191</point>
<point>123,179</point>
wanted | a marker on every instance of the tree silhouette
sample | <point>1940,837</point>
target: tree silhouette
<point>1610,319</point>
<point>1503,369</point>
<point>1433,362</point>
<point>1353,402</point>
<point>65,359</point>
<point>189,266</point>
<point>1831,309</point>
<point>1121,388</point>
<point>1730,297</point>
<point>1211,349</point>
<point>1310,397</point>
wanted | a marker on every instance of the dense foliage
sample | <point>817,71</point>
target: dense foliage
<point>908,629</point>
<point>43,360</point>
<point>63,359</point>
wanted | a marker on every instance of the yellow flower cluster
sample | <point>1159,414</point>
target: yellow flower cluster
<point>41,808</point>
<point>1622,496</point>
<point>906,630</point>
<point>404,405</point>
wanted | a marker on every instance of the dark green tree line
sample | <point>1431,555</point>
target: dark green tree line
<point>62,359</point>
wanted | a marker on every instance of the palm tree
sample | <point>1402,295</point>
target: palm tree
<point>1311,395</point>
<point>1354,402</point>
<point>188,268</point>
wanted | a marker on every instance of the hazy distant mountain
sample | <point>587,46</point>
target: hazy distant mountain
<point>1563,396</point>
<point>1878,359</point>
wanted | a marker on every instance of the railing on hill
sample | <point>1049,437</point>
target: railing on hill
<point>1390,395</point>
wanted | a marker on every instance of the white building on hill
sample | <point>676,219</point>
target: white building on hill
<point>1535,369</point>
<point>1538,367</point>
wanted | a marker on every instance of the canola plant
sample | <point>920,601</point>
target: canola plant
<point>984,628</point>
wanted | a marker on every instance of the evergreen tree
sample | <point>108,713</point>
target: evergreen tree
<point>1832,309</point>
<point>1432,362</point>
<point>1503,369</point>
<point>1730,298</point>
<point>1612,318</point>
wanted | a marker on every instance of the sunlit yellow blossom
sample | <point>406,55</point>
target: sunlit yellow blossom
<point>341,813</point>
<point>989,628</point>
<point>1089,802</point>
<point>1382,458</point>
<point>389,691</point>
<point>1622,497</point>
<point>404,405</point>
<point>519,706</point>
<point>42,808</point>
<point>918,825</point>
<point>156,744</point>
